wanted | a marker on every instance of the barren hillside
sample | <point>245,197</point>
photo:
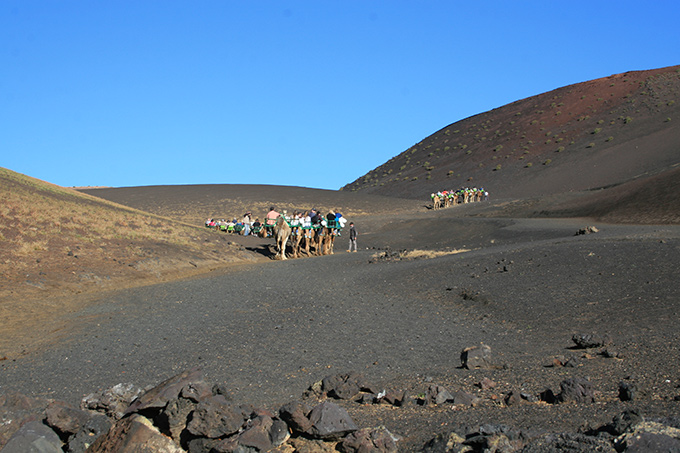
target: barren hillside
<point>589,135</point>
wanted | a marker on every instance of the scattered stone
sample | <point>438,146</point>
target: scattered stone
<point>610,353</point>
<point>214,418</point>
<point>114,401</point>
<point>159,396</point>
<point>15,411</point>
<point>34,436</point>
<point>627,391</point>
<point>295,414</point>
<point>461,398</point>
<point>344,386</point>
<point>135,434</point>
<point>436,394</point>
<point>330,422</point>
<point>397,398</point>
<point>486,384</point>
<point>571,442</point>
<point>476,357</point>
<point>586,341</point>
<point>625,422</point>
<point>65,418</point>
<point>88,434</point>
<point>587,230</point>
<point>577,390</point>
<point>175,416</point>
<point>513,398</point>
<point>648,436</point>
<point>367,398</point>
<point>369,440</point>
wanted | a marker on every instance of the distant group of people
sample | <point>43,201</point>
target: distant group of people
<point>446,198</point>
<point>301,222</point>
<point>244,226</point>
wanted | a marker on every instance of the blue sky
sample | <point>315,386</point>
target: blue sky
<point>301,93</point>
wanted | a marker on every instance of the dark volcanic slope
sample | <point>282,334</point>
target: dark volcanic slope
<point>195,203</point>
<point>592,134</point>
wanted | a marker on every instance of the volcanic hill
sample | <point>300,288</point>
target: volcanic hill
<point>586,136</point>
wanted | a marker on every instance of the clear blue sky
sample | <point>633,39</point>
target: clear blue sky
<point>303,93</point>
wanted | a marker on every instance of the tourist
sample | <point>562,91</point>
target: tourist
<point>352,238</point>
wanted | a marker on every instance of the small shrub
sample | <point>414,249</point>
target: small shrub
<point>498,167</point>
<point>547,162</point>
<point>449,173</point>
<point>415,178</point>
<point>609,139</point>
<point>597,130</point>
<point>529,165</point>
<point>590,145</point>
<point>560,149</point>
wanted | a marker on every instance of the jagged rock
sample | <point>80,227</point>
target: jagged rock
<point>342,386</point>
<point>513,398</point>
<point>436,394</point>
<point>625,422</point>
<point>330,422</point>
<point>369,440</point>
<point>114,401</point>
<point>135,434</point>
<point>257,434</point>
<point>446,443</point>
<point>587,341</point>
<point>476,357</point>
<point>16,410</point>
<point>576,443</point>
<point>486,384</point>
<point>205,445</point>
<point>196,391</point>
<point>395,398</point>
<point>649,436</point>
<point>548,396</point>
<point>175,416</point>
<point>649,442</point>
<point>461,398</point>
<point>34,436</point>
<point>215,417</point>
<point>89,432</point>
<point>64,418</point>
<point>576,390</point>
<point>159,396</point>
<point>295,414</point>
<point>490,442</point>
<point>587,230</point>
<point>627,391</point>
<point>367,398</point>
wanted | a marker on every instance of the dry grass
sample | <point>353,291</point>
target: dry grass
<point>415,254</point>
<point>427,254</point>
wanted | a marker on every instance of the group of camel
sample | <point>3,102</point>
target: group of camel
<point>449,198</point>
<point>321,239</point>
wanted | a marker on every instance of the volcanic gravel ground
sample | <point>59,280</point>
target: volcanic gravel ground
<point>270,330</point>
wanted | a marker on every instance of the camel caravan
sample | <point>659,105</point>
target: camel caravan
<point>448,198</point>
<point>309,232</point>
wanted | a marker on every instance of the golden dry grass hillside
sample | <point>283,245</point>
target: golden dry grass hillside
<point>55,238</point>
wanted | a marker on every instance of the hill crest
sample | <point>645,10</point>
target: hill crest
<point>591,134</point>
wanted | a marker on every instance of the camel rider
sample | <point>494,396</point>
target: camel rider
<point>270,220</point>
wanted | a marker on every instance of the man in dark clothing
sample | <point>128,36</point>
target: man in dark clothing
<point>352,238</point>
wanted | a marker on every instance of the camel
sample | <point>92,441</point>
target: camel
<point>296,240</point>
<point>329,239</point>
<point>281,233</point>
<point>436,202</point>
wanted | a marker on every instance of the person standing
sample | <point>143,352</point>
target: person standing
<point>352,238</point>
